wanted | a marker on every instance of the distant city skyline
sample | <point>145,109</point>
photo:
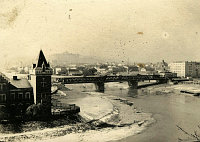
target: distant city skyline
<point>134,30</point>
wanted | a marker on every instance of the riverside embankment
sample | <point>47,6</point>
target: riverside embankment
<point>117,119</point>
<point>169,108</point>
<point>102,118</point>
<point>113,117</point>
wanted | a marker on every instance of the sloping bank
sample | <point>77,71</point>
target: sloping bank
<point>115,117</point>
<point>105,118</point>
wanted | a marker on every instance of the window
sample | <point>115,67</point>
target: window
<point>46,95</point>
<point>1,87</point>
<point>12,96</point>
<point>43,95</point>
<point>20,95</point>
<point>27,96</point>
<point>2,97</point>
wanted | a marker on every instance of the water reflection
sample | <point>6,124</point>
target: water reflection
<point>132,93</point>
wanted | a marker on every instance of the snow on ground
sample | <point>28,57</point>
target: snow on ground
<point>120,115</point>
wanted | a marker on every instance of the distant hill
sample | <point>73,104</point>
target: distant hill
<point>69,58</point>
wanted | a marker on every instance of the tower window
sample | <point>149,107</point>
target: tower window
<point>43,95</point>
<point>43,82</point>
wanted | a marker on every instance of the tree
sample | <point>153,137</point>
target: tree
<point>103,66</point>
<point>36,111</point>
<point>119,69</point>
<point>81,68</point>
<point>133,68</point>
<point>195,137</point>
<point>141,65</point>
<point>88,72</point>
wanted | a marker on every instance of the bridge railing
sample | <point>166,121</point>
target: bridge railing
<point>94,79</point>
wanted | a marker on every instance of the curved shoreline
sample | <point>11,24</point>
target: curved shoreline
<point>121,127</point>
<point>112,118</point>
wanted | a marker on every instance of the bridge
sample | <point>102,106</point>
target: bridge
<point>100,80</point>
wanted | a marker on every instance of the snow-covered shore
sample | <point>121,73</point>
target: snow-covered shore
<point>118,114</point>
<point>105,118</point>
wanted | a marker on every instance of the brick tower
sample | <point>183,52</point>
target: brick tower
<point>40,79</point>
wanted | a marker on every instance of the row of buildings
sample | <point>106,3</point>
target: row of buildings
<point>101,69</point>
<point>115,69</point>
<point>106,69</point>
<point>181,68</point>
<point>186,68</point>
<point>178,68</point>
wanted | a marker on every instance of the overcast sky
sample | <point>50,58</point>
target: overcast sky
<point>134,30</point>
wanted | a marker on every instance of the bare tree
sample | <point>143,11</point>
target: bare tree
<point>191,137</point>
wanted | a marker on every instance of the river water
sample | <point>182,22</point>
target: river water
<point>168,109</point>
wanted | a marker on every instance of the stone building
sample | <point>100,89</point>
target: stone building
<point>40,79</point>
<point>16,95</point>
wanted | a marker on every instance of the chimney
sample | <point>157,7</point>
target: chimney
<point>14,77</point>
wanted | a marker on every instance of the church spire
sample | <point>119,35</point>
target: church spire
<point>41,60</point>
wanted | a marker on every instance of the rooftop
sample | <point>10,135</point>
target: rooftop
<point>42,60</point>
<point>20,83</point>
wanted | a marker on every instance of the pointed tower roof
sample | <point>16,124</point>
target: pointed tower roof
<point>41,60</point>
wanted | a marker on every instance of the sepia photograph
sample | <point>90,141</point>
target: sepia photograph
<point>99,70</point>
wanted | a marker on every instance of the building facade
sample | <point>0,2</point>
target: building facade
<point>40,79</point>
<point>16,95</point>
<point>185,69</point>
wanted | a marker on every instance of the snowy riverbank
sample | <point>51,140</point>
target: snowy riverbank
<point>115,118</point>
<point>105,118</point>
<point>171,89</point>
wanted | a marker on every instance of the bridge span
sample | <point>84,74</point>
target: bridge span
<point>100,80</point>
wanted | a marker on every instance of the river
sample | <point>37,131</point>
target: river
<point>168,109</point>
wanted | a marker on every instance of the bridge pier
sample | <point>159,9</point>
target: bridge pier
<point>99,86</point>
<point>133,84</point>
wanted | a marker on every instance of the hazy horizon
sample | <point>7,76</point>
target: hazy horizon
<point>121,30</point>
